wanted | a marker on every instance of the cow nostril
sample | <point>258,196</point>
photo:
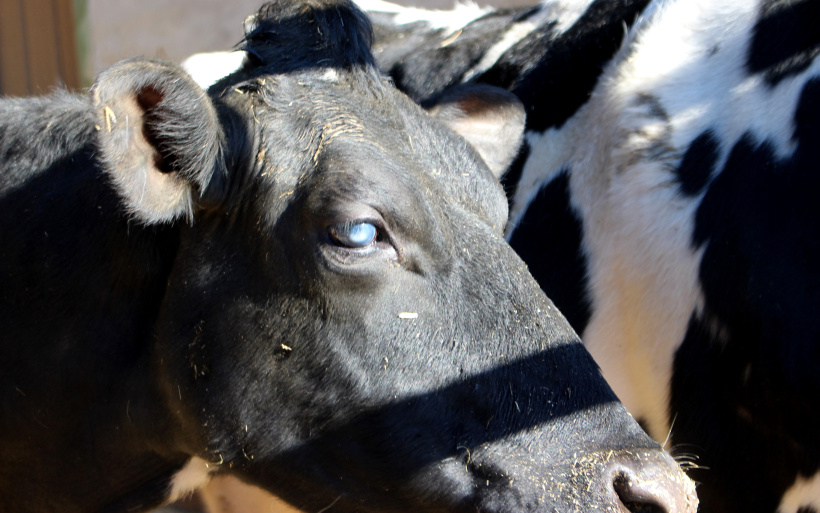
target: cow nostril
<point>634,498</point>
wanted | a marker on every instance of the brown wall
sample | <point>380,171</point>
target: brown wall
<point>164,29</point>
<point>38,43</point>
<point>37,46</point>
<point>175,29</point>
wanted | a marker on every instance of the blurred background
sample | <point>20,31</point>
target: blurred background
<point>46,43</point>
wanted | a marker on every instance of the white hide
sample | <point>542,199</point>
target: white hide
<point>687,57</point>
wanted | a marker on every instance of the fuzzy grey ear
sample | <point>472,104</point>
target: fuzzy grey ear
<point>489,118</point>
<point>159,139</point>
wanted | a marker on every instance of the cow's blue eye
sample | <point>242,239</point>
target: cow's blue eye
<point>353,235</point>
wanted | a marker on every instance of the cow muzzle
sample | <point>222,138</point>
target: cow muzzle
<point>632,480</point>
<point>648,483</point>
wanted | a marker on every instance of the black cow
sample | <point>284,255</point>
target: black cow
<point>296,279</point>
<point>665,201</point>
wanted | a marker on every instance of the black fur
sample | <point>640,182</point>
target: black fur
<point>423,67</point>
<point>81,290</point>
<point>290,36</point>
<point>785,39</point>
<point>698,164</point>
<point>545,66</point>
<point>758,372</point>
<point>549,236</point>
<point>510,179</point>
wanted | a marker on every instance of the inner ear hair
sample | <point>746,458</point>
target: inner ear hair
<point>148,99</point>
<point>159,138</point>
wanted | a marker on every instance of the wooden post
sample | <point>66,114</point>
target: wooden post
<point>38,48</point>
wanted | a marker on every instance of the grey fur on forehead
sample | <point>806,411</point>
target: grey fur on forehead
<point>293,35</point>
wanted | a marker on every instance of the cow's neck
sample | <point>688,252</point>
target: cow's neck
<point>86,390</point>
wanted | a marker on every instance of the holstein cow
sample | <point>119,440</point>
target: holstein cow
<point>298,278</point>
<point>665,202</point>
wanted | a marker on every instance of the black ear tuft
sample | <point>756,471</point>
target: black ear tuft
<point>311,33</point>
<point>491,119</point>
<point>159,138</point>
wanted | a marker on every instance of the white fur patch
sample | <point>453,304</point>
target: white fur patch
<point>193,476</point>
<point>330,75</point>
<point>642,271</point>
<point>514,34</point>
<point>449,21</point>
<point>804,493</point>
<point>565,13</point>
<point>680,72</point>
<point>208,68</point>
<point>687,56</point>
<point>549,155</point>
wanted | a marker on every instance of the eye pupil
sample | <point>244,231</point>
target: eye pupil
<point>353,235</point>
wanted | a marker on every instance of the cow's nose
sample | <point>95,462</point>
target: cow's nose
<point>655,485</point>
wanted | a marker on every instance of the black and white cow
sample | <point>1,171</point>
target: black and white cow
<point>296,279</point>
<point>665,202</point>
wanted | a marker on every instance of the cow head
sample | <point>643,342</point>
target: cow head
<point>343,322</point>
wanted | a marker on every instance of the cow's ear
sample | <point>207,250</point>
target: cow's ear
<point>159,138</point>
<point>491,119</point>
